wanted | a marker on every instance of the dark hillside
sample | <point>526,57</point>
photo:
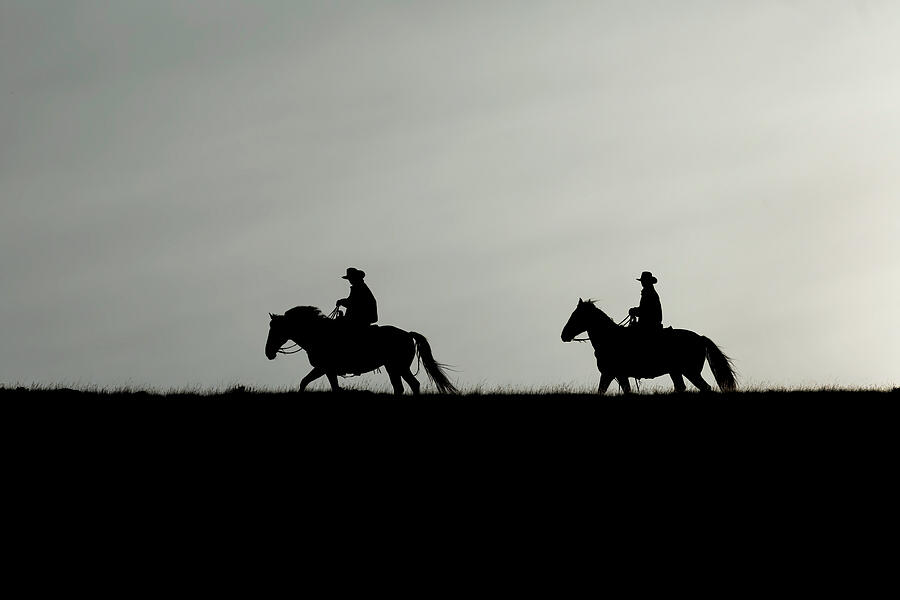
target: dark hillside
<point>775,455</point>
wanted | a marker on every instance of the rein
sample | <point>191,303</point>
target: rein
<point>287,349</point>
<point>295,348</point>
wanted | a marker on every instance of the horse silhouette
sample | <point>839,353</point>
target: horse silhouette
<point>336,348</point>
<point>624,352</point>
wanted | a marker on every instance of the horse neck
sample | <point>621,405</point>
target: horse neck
<point>600,324</point>
<point>308,333</point>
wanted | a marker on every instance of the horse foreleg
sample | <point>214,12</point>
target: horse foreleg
<point>605,380</point>
<point>623,383</point>
<point>310,377</point>
<point>333,380</point>
<point>678,382</point>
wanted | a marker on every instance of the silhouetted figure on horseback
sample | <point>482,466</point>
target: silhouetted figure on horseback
<point>351,344</point>
<point>355,325</point>
<point>362,309</point>
<point>645,350</point>
<point>648,316</point>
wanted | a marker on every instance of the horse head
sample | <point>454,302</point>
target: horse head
<point>277,335</point>
<point>578,321</point>
<point>585,317</point>
<point>296,323</point>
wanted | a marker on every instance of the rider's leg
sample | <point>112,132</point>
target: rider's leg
<point>310,377</point>
<point>678,382</point>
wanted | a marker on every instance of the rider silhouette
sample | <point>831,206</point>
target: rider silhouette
<point>649,313</point>
<point>361,307</point>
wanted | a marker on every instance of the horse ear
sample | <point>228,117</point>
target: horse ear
<point>580,301</point>
<point>271,316</point>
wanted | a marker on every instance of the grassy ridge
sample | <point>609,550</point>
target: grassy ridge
<point>542,394</point>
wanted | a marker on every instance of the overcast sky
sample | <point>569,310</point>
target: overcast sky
<point>171,171</point>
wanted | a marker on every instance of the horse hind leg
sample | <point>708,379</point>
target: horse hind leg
<point>697,380</point>
<point>396,381</point>
<point>411,380</point>
<point>400,370</point>
<point>678,382</point>
<point>623,383</point>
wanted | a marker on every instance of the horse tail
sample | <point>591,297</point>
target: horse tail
<point>721,366</point>
<point>433,368</point>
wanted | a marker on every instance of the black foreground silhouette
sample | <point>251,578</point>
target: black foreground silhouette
<point>644,353</point>
<point>336,347</point>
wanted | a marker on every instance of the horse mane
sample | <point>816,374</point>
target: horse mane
<point>606,318</point>
<point>304,312</point>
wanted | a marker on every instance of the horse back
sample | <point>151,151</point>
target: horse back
<point>682,333</point>
<point>362,349</point>
<point>648,354</point>
<point>390,330</point>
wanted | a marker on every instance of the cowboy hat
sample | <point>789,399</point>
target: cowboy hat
<point>354,274</point>
<point>645,276</point>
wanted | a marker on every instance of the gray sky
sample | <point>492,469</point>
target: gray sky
<point>172,171</point>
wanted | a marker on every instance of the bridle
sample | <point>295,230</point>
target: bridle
<point>290,349</point>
